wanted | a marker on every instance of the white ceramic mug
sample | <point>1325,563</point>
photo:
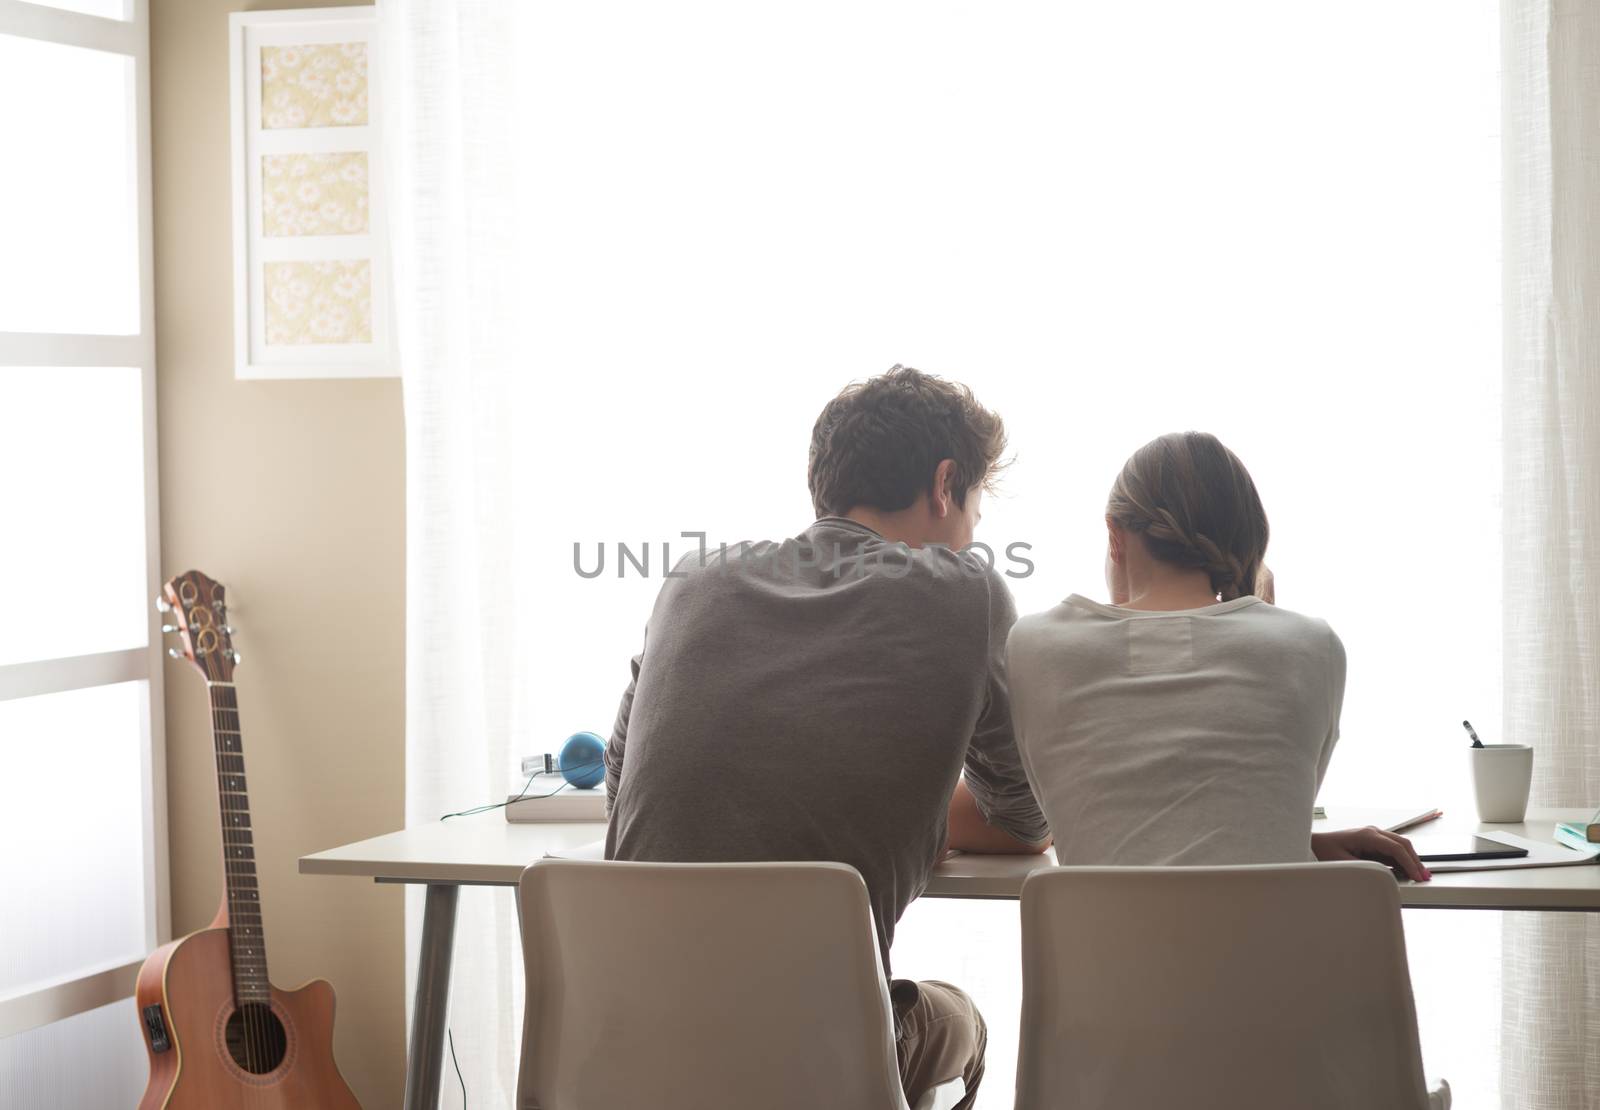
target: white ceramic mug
<point>1501,775</point>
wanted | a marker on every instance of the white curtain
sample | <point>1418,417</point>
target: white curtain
<point>450,135</point>
<point>1551,1028</point>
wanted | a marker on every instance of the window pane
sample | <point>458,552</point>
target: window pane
<point>71,808</point>
<point>110,9</point>
<point>67,198</point>
<point>95,1058</point>
<point>72,441</point>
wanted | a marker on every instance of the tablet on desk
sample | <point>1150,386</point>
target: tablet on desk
<point>1443,849</point>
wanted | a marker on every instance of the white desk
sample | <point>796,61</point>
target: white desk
<point>486,850</point>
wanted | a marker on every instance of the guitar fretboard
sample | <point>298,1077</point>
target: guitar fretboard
<point>246,938</point>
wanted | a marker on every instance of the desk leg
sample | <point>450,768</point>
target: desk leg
<point>431,1008</point>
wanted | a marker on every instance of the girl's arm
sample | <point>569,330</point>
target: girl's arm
<point>1374,844</point>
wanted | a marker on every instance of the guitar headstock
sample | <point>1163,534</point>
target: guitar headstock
<point>200,618</point>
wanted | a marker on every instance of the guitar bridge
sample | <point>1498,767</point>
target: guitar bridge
<point>156,1027</point>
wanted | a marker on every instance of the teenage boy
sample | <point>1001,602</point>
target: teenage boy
<point>818,698</point>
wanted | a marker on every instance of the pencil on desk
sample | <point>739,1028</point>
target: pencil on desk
<point>1422,820</point>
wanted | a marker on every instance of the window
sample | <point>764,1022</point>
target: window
<point>1273,222</point>
<point>70,224</point>
<point>81,798</point>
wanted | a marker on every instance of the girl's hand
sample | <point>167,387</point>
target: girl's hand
<point>1267,585</point>
<point>1374,844</point>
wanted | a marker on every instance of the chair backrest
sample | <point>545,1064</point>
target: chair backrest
<point>1237,987</point>
<point>734,985</point>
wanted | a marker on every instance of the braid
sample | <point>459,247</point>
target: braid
<point>1196,549</point>
<point>1163,474</point>
<point>1227,574</point>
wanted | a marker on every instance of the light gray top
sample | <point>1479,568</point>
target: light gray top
<point>817,699</point>
<point>1192,737</point>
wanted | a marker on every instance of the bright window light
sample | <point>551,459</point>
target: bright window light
<point>72,511</point>
<point>1278,223</point>
<point>69,243</point>
<point>106,9</point>
<point>85,1060</point>
<point>71,805</point>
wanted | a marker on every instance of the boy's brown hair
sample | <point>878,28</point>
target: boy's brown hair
<point>878,442</point>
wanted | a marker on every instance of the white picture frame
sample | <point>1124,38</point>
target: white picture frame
<point>263,348</point>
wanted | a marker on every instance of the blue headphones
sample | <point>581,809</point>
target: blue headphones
<point>582,761</point>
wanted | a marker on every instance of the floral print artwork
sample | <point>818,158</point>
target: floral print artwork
<point>314,85</point>
<point>314,194</point>
<point>318,302</point>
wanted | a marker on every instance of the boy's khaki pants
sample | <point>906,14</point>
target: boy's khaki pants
<point>941,1035</point>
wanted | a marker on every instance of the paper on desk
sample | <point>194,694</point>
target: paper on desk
<point>1540,854</point>
<point>595,849</point>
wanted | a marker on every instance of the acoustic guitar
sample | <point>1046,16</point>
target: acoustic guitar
<point>218,1033</point>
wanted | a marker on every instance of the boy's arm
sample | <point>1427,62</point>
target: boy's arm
<point>617,745</point>
<point>993,808</point>
<point>969,832</point>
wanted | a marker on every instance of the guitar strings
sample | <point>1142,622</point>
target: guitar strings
<point>229,853</point>
<point>255,1035</point>
<point>260,1013</point>
<point>228,842</point>
<point>255,1019</point>
<point>256,1038</point>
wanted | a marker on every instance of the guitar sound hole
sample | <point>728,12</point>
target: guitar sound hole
<point>255,1038</point>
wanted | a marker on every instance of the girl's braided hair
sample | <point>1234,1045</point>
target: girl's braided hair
<point>1195,505</point>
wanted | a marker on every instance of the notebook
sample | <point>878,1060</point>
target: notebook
<point>550,799</point>
<point>594,850</point>
<point>1579,834</point>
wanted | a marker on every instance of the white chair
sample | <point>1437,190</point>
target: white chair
<point>1245,988</point>
<point>722,986</point>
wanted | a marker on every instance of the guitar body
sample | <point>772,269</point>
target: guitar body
<point>190,980</point>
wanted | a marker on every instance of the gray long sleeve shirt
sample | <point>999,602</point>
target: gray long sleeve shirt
<point>817,699</point>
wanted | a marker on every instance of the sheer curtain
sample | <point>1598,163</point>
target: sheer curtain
<point>1552,517</point>
<point>639,245</point>
<point>451,137</point>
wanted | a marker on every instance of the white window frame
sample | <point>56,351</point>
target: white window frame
<point>95,987</point>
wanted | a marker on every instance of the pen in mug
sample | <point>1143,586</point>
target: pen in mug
<point>1476,743</point>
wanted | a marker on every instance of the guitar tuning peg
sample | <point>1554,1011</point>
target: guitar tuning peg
<point>237,657</point>
<point>228,628</point>
<point>173,652</point>
<point>163,605</point>
<point>169,628</point>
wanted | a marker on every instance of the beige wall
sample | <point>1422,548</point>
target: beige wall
<point>291,494</point>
